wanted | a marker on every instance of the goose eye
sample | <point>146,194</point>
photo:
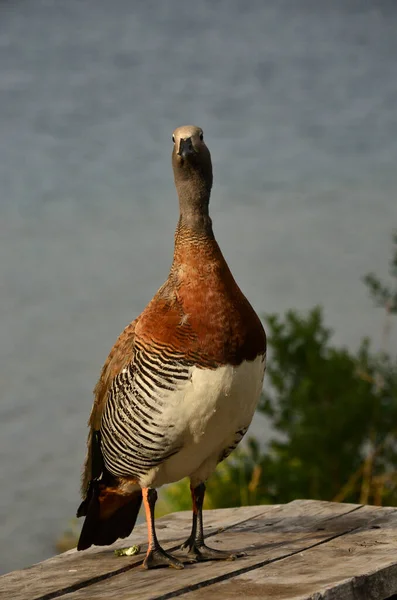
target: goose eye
<point>201,136</point>
<point>173,139</point>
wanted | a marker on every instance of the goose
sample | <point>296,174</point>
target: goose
<point>180,386</point>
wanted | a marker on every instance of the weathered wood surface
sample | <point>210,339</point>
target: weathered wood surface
<point>301,550</point>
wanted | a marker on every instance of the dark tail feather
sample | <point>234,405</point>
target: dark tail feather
<point>119,514</point>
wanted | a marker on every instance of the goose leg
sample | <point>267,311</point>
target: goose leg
<point>195,543</point>
<point>156,556</point>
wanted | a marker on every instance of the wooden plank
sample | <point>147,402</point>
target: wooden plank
<point>296,527</point>
<point>360,565</point>
<point>72,568</point>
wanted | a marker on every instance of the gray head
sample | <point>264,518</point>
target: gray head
<point>191,162</point>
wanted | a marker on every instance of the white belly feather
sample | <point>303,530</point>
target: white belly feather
<point>204,417</point>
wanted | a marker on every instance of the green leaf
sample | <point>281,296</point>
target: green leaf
<point>130,551</point>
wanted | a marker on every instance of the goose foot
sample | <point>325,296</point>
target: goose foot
<point>159,558</point>
<point>202,552</point>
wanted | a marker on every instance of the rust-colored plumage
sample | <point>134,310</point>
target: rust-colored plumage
<point>200,281</point>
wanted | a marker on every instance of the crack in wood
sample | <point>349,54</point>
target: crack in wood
<point>243,570</point>
<point>86,583</point>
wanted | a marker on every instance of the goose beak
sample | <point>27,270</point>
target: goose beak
<point>186,148</point>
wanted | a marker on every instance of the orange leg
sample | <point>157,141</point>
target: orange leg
<point>156,556</point>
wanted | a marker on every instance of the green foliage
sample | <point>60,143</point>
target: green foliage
<point>383,294</point>
<point>333,415</point>
<point>326,404</point>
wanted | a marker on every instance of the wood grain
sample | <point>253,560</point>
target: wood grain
<point>299,551</point>
<point>359,565</point>
<point>74,568</point>
<point>265,537</point>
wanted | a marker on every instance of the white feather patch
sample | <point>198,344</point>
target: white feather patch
<point>204,416</point>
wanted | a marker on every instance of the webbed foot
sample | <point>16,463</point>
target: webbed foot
<point>202,552</point>
<point>160,558</point>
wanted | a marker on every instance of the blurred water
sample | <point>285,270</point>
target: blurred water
<point>298,105</point>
